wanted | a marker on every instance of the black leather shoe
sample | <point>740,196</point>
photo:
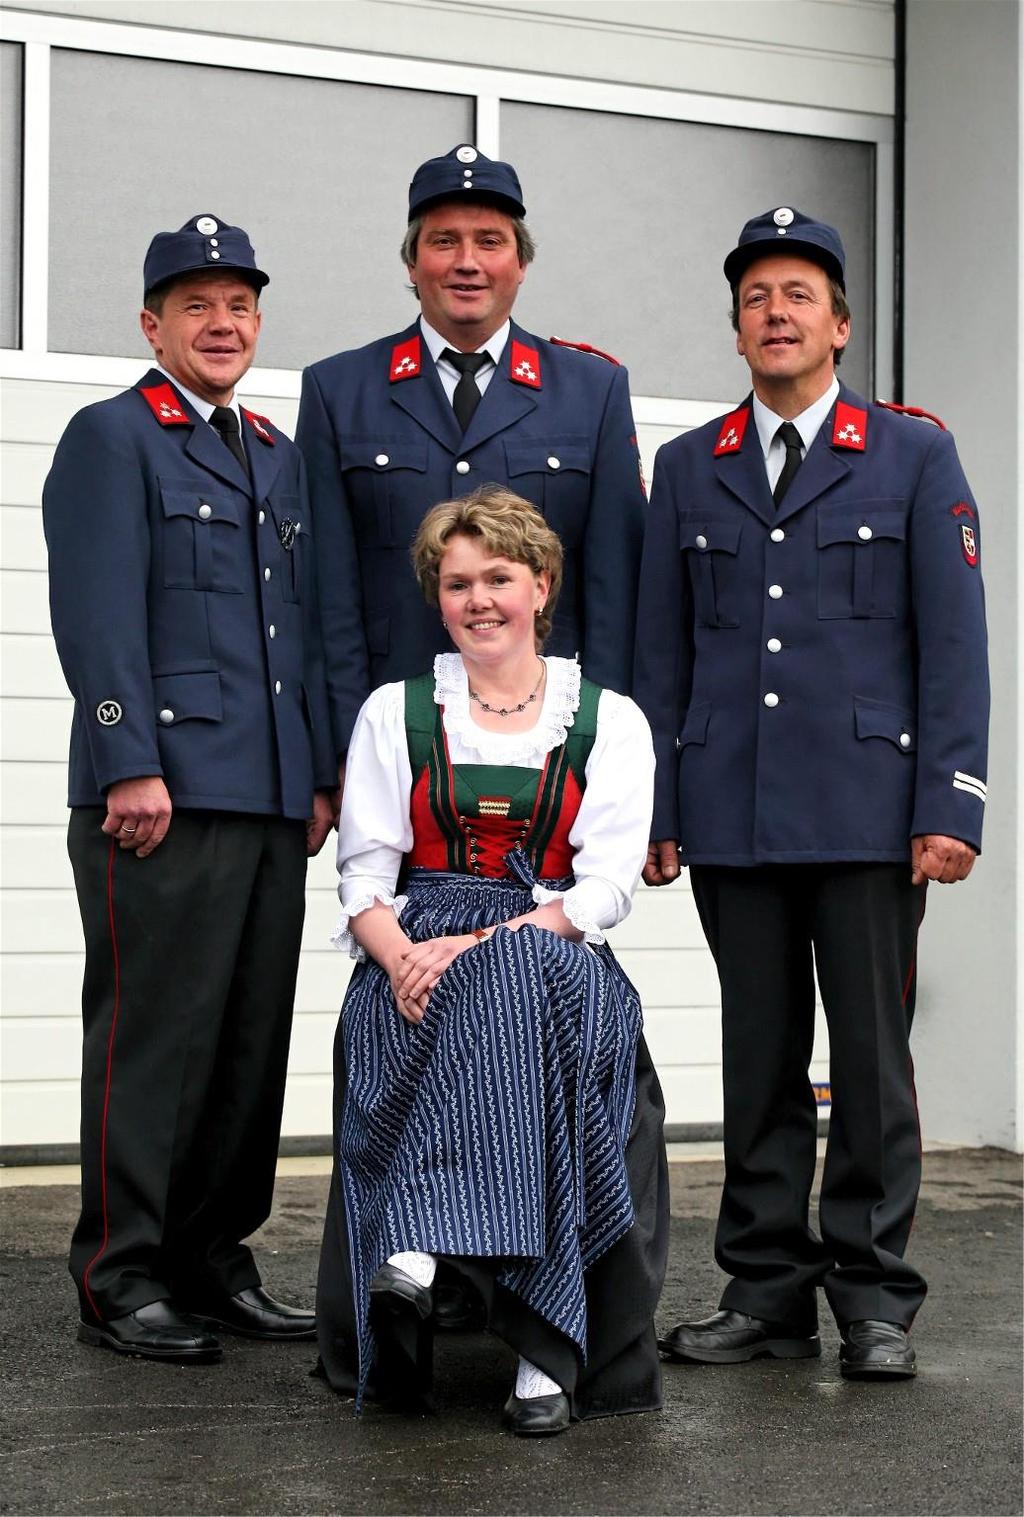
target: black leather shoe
<point>400,1316</point>
<point>458,1307</point>
<point>153,1331</point>
<point>871,1350</point>
<point>537,1416</point>
<point>730,1337</point>
<point>253,1314</point>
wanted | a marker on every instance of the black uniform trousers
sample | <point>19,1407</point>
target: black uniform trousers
<point>191,959</point>
<point>768,928</point>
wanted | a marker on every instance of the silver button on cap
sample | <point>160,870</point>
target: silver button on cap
<point>865,534</point>
<point>167,716</point>
<point>771,699</point>
<point>701,541</point>
<point>205,512</point>
<point>462,467</point>
<point>774,645</point>
<point>778,535</point>
<point>904,739</point>
<point>775,591</point>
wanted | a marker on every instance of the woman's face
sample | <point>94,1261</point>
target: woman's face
<point>490,604</point>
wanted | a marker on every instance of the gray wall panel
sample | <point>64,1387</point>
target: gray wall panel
<point>634,217</point>
<point>316,171</point>
<point>10,193</point>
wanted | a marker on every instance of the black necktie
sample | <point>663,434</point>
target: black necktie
<point>791,437</point>
<point>225,423</point>
<point>467,396</point>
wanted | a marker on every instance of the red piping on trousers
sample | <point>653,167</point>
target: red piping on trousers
<point>106,1090</point>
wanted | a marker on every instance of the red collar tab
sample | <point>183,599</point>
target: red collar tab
<point>730,437</point>
<point>260,425</point>
<point>165,406</point>
<point>850,428</point>
<point>890,405</point>
<point>584,347</point>
<point>525,365</point>
<point>406,361</point>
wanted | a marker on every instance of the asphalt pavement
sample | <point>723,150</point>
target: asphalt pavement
<point>90,1432</point>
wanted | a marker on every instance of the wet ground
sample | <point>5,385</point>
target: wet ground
<point>91,1432</point>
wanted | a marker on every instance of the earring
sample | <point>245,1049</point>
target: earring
<point>444,624</point>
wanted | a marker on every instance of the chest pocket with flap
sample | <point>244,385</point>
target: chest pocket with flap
<point>202,546</point>
<point>862,567</point>
<point>385,488</point>
<point>711,545</point>
<point>554,474</point>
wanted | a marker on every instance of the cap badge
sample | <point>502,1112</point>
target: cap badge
<point>467,154</point>
<point>405,360</point>
<point>730,435</point>
<point>783,216</point>
<point>849,428</point>
<point>207,226</point>
<point>525,365</point>
<point>165,405</point>
<point>108,713</point>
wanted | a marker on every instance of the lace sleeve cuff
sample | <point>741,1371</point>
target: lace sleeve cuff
<point>574,910</point>
<point>342,938</point>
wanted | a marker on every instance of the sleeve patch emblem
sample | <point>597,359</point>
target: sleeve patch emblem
<point>108,713</point>
<point>969,544</point>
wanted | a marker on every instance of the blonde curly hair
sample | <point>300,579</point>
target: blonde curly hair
<point>508,527</point>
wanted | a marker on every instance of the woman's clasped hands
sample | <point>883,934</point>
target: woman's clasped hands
<point>419,968</point>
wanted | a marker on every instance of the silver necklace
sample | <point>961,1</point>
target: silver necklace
<point>507,710</point>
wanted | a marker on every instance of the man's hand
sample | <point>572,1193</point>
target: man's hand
<point>934,857</point>
<point>138,813</point>
<point>320,823</point>
<point>662,865</point>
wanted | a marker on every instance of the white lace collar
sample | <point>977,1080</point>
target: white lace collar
<point>557,712</point>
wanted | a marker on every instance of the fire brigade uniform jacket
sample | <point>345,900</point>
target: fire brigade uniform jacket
<point>187,630</point>
<point>382,445</point>
<point>815,678</point>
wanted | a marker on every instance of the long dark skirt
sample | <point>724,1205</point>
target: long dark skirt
<point>517,1133</point>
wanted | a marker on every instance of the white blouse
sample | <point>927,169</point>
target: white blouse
<point>611,830</point>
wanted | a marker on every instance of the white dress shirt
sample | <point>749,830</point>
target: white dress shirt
<point>206,408</point>
<point>448,373</point>
<point>808,424</point>
<point>611,829</point>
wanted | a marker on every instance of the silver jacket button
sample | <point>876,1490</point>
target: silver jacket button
<point>262,517</point>
<point>774,645</point>
<point>205,512</point>
<point>904,739</point>
<point>554,463</point>
<point>771,699</point>
<point>266,574</point>
<point>775,591</point>
<point>865,534</point>
<point>462,467</point>
<point>382,460</point>
<point>167,716</point>
<point>777,535</point>
<point>701,541</point>
<point>277,687</point>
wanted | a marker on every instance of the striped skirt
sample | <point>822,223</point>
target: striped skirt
<point>496,1129</point>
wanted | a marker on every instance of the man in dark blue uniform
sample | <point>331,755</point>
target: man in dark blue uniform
<point>461,397</point>
<point>184,610</point>
<point>811,657</point>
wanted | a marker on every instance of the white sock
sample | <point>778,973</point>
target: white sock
<point>419,1267</point>
<point>531,1382</point>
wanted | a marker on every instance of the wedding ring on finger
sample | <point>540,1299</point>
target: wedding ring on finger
<point>125,828</point>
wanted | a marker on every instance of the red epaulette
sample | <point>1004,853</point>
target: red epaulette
<point>890,405</point>
<point>584,347</point>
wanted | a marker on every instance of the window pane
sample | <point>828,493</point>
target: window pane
<point>634,218</point>
<point>10,194</point>
<point>315,170</point>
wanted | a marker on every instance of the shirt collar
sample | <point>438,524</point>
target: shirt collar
<point>808,423</point>
<point>204,407</point>
<point>493,347</point>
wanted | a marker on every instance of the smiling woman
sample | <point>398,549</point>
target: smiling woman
<point>497,1107</point>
